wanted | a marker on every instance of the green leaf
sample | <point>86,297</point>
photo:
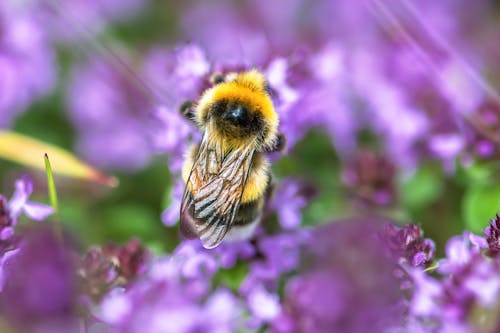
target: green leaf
<point>232,277</point>
<point>27,151</point>
<point>480,204</point>
<point>423,188</point>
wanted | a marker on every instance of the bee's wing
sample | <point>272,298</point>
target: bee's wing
<point>213,191</point>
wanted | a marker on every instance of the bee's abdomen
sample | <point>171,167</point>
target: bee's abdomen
<point>249,212</point>
<point>246,221</point>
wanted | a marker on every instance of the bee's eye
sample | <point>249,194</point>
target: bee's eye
<point>238,115</point>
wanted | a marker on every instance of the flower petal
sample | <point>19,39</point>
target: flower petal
<point>37,211</point>
<point>24,188</point>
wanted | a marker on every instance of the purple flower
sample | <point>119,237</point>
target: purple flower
<point>9,214</point>
<point>171,135</point>
<point>111,265</point>
<point>24,50</point>
<point>170,216</point>
<point>164,302</point>
<point>289,200</point>
<point>10,211</point>
<point>408,244</point>
<point>179,74</point>
<point>276,256</point>
<point>264,307</point>
<point>492,233</point>
<point>67,20</point>
<point>9,249</point>
<point>427,292</point>
<point>347,284</point>
<point>39,293</point>
<point>19,202</point>
<point>199,261</point>
<point>468,282</point>
<point>107,106</point>
<point>370,177</point>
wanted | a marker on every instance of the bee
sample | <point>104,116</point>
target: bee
<point>227,176</point>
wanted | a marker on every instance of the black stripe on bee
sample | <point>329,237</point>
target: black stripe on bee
<point>249,212</point>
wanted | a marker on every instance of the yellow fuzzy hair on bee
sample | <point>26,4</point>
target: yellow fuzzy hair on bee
<point>247,88</point>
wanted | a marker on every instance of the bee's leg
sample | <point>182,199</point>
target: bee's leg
<point>270,188</point>
<point>217,78</point>
<point>187,110</point>
<point>279,145</point>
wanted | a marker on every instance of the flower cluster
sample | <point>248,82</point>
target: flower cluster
<point>10,212</point>
<point>111,265</point>
<point>463,295</point>
<point>24,50</point>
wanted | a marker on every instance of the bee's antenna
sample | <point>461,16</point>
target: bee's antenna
<point>119,63</point>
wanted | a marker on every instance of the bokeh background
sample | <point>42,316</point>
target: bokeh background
<point>386,100</point>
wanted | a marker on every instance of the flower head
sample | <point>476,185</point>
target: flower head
<point>11,211</point>
<point>347,284</point>
<point>492,233</point>
<point>164,301</point>
<point>108,106</point>
<point>24,50</point>
<point>111,265</point>
<point>40,286</point>
<point>408,243</point>
<point>370,177</point>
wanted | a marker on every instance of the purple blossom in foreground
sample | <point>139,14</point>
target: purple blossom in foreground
<point>105,267</point>
<point>10,212</point>
<point>467,288</point>
<point>347,284</point>
<point>166,300</point>
<point>24,50</point>
<point>40,287</point>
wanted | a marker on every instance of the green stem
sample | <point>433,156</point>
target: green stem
<point>53,197</point>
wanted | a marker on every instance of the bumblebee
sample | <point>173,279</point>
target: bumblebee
<point>227,175</point>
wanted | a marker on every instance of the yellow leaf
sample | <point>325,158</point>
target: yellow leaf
<point>27,151</point>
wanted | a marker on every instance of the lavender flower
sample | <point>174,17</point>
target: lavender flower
<point>165,302</point>
<point>11,211</point>
<point>40,290</point>
<point>347,284</point>
<point>107,106</point>
<point>469,282</point>
<point>24,50</point>
<point>408,244</point>
<point>492,233</point>
<point>290,198</point>
<point>103,268</point>
<point>371,179</point>
<point>66,20</point>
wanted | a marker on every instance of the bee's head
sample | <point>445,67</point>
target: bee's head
<point>240,108</point>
